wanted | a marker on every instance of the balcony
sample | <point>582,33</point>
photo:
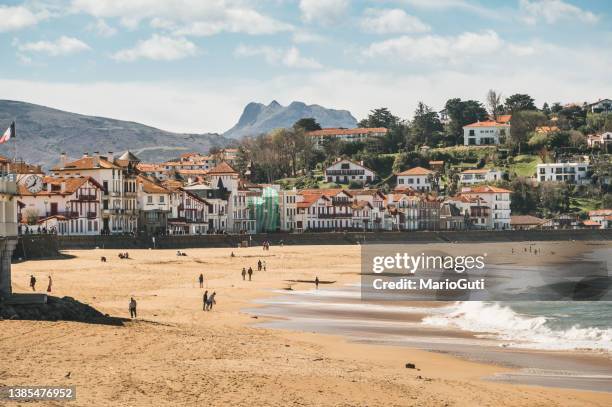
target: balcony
<point>334,215</point>
<point>344,172</point>
<point>87,198</point>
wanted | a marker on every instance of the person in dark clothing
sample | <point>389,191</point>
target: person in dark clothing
<point>259,265</point>
<point>201,280</point>
<point>49,286</point>
<point>250,273</point>
<point>33,282</point>
<point>211,301</point>
<point>317,282</point>
<point>204,300</point>
<point>243,273</point>
<point>132,307</point>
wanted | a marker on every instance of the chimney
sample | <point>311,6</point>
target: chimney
<point>63,186</point>
<point>97,154</point>
<point>86,154</point>
<point>110,156</point>
<point>63,159</point>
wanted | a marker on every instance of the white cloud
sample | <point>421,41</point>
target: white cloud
<point>158,48</point>
<point>452,4</point>
<point>303,37</point>
<point>323,11</point>
<point>391,21</point>
<point>186,17</point>
<point>102,28</point>
<point>290,57</point>
<point>62,46</point>
<point>551,11</point>
<point>435,47</point>
<point>17,17</point>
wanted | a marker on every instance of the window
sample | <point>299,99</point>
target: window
<point>149,199</point>
<point>161,199</point>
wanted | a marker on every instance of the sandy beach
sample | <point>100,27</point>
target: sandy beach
<point>177,354</point>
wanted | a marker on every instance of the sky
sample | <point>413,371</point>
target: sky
<point>192,65</point>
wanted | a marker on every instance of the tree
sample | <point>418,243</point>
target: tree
<point>524,198</point>
<point>522,124</point>
<point>546,109</point>
<point>556,107</point>
<point>518,102</point>
<point>462,113</point>
<point>308,124</point>
<point>572,117</point>
<point>425,127</point>
<point>494,103</point>
<point>381,117</point>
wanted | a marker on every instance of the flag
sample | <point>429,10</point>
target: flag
<point>8,134</point>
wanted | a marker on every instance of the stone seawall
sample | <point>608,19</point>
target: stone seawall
<point>36,247</point>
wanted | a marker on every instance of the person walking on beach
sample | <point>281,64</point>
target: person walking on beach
<point>132,307</point>
<point>49,286</point>
<point>317,282</point>
<point>250,273</point>
<point>264,265</point>
<point>259,265</point>
<point>211,301</point>
<point>201,280</point>
<point>243,274</point>
<point>33,282</point>
<point>204,300</point>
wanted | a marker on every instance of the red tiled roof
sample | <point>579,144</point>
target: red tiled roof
<point>222,168</point>
<point>488,123</point>
<point>71,184</point>
<point>601,212</point>
<point>525,220</point>
<point>86,163</point>
<point>590,223</point>
<point>478,171</point>
<point>416,171</point>
<point>151,187</point>
<point>504,118</point>
<point>486,189</point>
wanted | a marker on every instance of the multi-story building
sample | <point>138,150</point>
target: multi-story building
<point>498,201</point>
<point>360,134</point>
<point>417,178</point>
<point>64,205</point>
<point>488,132</point>
<point>217,198</point>
<point>601,141</point>
<point>154,204</point>
<point>118,179</point>
<point>287,207</point>
<point>478,176</point>
<point>601,106</point>
<point>571,172</point>
<point>412,212</point>
<point>601,217</point>
<point>239,216</point>
<point>344,171</point>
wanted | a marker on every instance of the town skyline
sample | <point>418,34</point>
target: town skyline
<point>207,64</point>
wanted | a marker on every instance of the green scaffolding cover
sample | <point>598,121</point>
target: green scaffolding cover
<point>265,209</point>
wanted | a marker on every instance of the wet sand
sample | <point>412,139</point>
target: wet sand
<point>176,354</point>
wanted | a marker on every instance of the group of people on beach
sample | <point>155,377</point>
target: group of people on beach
<point>532,250</point>
<point>266,245</point>
<point>122,256</point>
<point>261,265</point>
<point>33,283</point>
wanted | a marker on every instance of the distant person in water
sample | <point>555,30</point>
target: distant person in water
<point>33,282</point>
<point>243,273</point>
<point>204,300</point>
<point>317,282</point>
<point>250,271</point>
<point>201,280</point>
<point>132,307</point>
<point>49,286</point>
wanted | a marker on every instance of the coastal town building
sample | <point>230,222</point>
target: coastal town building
<point>345,171</point>
<point>478,176</point>
<point>360,134</point>
<point>601,106</point>
<point>498,202</point>
<point>408,212</point>
<point>570,172</point>
<point>63,205</point>
<point>526,222</point>
<point>417,178</point>
<point>602,218</point>
<point>601,141</point>
<point>488,132</point>
<point>154,204</point>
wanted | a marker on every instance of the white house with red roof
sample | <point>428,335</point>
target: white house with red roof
<point>478,176</point>
<point>601,217</point>
<point>498,202</point>
<point>66,205</point>
<point>344,171</point>
<point>489,132</point>
<point>417,178</point>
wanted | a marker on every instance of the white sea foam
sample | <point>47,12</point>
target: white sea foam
<point>501,322</point>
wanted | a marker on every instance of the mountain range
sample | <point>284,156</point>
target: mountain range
<point>258,118</point>
<point>44,133</point>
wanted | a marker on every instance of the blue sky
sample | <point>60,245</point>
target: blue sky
<point>192,65</point>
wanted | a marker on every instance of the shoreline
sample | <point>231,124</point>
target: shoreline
<point>186,356</point>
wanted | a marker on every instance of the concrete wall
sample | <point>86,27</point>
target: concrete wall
<point>46,246</point>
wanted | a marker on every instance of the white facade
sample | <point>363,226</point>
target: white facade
<point>346,171</point>
<point>470,177</point>
<point>287,206</point>
<point>417,178</point>
<point>563,172</point>
<point>485,133</point>
<point>497,199</point>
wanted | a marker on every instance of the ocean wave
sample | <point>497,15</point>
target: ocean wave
<point>496,321</point>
